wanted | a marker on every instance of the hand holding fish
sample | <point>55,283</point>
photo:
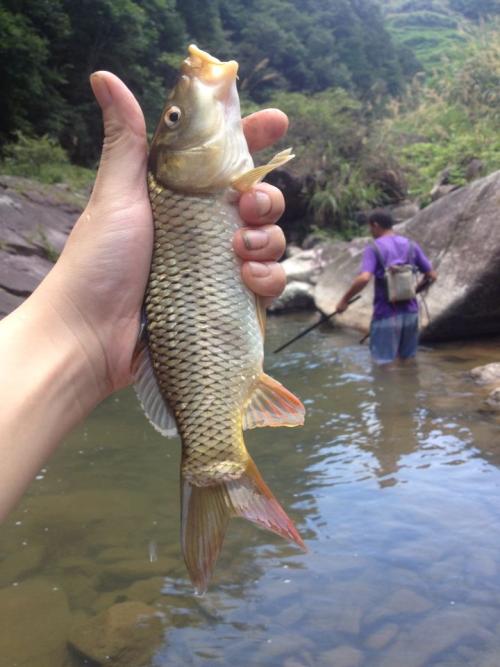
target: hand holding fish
<point>71,343</point>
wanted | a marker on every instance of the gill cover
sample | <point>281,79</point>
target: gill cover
<point>199,145</point>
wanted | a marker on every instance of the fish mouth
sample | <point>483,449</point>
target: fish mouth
<point>209,69</point>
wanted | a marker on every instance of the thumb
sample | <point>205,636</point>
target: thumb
<point>122,168</point>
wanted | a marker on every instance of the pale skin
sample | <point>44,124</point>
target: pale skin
<point>71,343</point>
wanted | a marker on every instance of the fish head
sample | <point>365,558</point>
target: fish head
<point>199,145</point>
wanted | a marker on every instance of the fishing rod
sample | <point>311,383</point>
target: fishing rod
<point>322,319</point>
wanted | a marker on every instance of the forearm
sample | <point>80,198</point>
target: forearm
<point>49,385</point>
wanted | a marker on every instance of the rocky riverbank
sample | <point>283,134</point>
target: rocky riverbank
<point>35,220</point>
<point>460,232</point>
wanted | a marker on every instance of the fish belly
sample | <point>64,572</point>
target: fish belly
<point>204,337</point>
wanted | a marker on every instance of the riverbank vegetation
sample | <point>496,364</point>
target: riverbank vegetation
<point>382,97</point>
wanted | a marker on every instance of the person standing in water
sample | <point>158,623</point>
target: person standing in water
<point>394,326</point>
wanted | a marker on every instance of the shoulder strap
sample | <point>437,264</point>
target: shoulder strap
<point>411,253</point>
<point>379,254</point>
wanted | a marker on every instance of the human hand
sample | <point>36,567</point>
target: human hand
<point>98,284</point>
<point>342,305</point>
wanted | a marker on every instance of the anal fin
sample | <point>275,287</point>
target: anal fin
<point>271,404</point>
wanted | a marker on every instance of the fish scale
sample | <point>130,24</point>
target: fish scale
<point>201,373</point>
<point>211,373</point>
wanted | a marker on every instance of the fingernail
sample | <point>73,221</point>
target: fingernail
<point>255,239</point>
<point>262,202</point>
<point>259,269</point>
<point>101,90</point>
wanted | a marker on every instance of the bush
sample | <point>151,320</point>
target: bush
<point>449,119</point>
<point>43,159</point>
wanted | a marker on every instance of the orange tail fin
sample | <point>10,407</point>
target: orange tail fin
<point>206,511</point>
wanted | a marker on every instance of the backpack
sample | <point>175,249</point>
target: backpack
<point>399,279</point>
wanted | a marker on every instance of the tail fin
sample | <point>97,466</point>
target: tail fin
<point>206,511</point>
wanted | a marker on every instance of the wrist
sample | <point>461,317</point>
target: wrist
<point>49,386</point>
<point>51,359</point>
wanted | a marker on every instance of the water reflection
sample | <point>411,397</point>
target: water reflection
<point>393,482</point>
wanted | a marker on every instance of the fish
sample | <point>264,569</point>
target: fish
<point>199,369</point>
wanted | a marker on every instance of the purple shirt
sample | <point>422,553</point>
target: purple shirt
<point>394,250</point>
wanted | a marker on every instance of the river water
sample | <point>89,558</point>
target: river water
<point>393,482</point>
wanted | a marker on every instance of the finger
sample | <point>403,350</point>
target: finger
<point>123,161</point>
<point>264,128</point>
<point>263,204</point>
<point>265,279</point>
<point>263,244</point>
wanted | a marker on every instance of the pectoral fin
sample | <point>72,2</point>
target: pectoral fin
<point>271,404</point>
<point>149,395</point>
<point>253,176</point>
<point>261,314</point>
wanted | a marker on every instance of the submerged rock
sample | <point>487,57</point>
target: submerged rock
<point>342,656</point>
<point>125,635</point>
<point>488,374</point>
<point>296,296</point>
<point>493,400</point>
<point>29,644</point>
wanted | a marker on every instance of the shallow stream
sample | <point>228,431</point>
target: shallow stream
<point>393,482</point>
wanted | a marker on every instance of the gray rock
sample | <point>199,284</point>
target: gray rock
<point>306,265</point>
<point>474,169</point>
<point>493,400</point>
<point>35,221</point>
<point>488,374</point>
<point>125,635</point>
<point>33,644</point>
<point>296,296</point>
<point>292,250</point>
<point>439,191</point>
<point>460,234</point>
<point>404,211</point>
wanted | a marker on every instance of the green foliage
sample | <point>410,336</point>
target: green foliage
<point>328,132</point>
<point>448,120</point>
<point>48,49</point>
<point>378,93</point>
<point>334,206</point>
<point>43,159</point>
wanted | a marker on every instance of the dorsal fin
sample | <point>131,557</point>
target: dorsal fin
<point>271,404</point>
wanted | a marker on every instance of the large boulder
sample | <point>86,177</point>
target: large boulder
<point>35,221</point>
<point>461,235</point>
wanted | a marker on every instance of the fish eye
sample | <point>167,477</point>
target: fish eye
<point>172,116</point>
